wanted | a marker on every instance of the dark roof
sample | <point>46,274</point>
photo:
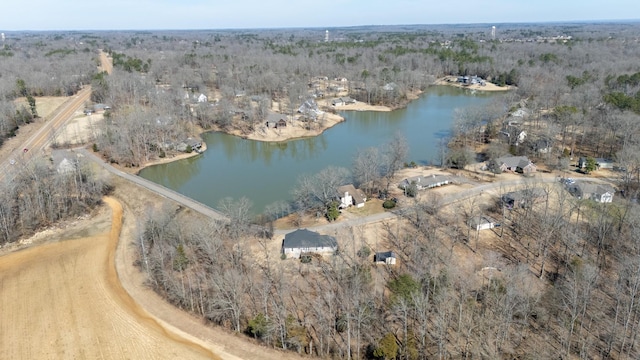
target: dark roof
<point>588,188</point>
<point>524,194</point>
<point>382,256</point>
<point>303,238</point>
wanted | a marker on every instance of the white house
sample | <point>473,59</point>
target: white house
<point>349,196</point>
<point>426,182</point>
<point>202,98</point>
<point>64,161</point>
<point>304,241</point>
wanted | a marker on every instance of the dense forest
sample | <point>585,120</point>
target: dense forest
<point>562,281</point>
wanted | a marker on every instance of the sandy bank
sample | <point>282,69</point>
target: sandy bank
<point>453,81</point>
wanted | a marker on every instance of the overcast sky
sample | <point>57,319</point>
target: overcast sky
<point>233,14</point>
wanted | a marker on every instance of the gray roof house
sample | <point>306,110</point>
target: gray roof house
<point>349,196</point>
<point>586,190</point>
<point>601,163</point>
<point>345,100</point>
<point>426,182</point>
<point>304,241</point>
<point>523,198</point>
<point>520,164</point>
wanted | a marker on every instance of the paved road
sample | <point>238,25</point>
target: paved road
<point>38,141</point>
<point>158,189</point>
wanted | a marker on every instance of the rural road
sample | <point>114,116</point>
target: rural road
<point>158,189</point>
<point>37,142</point>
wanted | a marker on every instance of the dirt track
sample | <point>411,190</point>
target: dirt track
<point>63,300</point>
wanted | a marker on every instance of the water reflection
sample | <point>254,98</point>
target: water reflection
<point>266,172</point>
<point>238,149</point>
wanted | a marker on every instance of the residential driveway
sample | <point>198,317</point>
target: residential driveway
<point>446,200</point>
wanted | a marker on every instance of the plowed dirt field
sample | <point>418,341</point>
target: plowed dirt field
<point>63,300</point>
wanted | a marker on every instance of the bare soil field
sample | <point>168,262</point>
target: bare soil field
<point>79,130</point>
<point>63,300</point>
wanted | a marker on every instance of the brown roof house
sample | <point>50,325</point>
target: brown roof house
<point>520,164</point>
<point>349,196</point>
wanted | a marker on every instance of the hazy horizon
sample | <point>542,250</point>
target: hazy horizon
<point>76,15</point>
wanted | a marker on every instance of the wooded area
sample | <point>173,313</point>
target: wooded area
<point>561,281</point>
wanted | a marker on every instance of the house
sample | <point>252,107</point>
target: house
<point>425,182</point>
<point>523,198</point>
<point>586,190</point>
<point>601,163</point>
<point>349,196</point>
<point>337,102</point>
<point>390,87</point>
<point>101,107</point>
<point>64,161</point>
<point>309,108</point>
<point>520,164</point>
<point>387,257</point>
<point>202,98</point>
<point>520,113</point>
<point>196,145</point>
<point>281,123</point>
<point>303,241</point>
<point>542,146</point>
<point>345,100</point>
<point>481,223</point>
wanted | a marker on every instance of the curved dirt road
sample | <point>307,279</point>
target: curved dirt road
<point>63,300</point>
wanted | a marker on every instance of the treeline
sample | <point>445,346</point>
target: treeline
<point>35,195</point>
<point>560,281</point>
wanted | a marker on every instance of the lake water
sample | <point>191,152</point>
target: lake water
<point>266,172</point>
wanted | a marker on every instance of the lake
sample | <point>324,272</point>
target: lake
<point>266,172</point>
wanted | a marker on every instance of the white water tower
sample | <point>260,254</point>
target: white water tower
<point>326,36</point>
<point>493,33</point>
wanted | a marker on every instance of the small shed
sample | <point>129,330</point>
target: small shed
<point>387,257</point>
<point>482,223</point>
